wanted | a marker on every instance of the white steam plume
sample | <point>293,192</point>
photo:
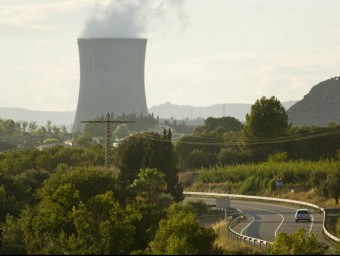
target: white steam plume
<point>133,18</point>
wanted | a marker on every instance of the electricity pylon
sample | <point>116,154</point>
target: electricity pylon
<point>107,122</point>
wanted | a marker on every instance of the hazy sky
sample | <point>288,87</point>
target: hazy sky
<point>199,52</point>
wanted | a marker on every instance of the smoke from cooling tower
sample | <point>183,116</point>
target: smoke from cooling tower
<point>112,57</point>
<point>133,18</point>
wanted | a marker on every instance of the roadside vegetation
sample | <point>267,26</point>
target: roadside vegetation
<point>260,179</point>
<point>60,199</point>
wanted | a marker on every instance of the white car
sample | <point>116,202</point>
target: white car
<point>302,214</point>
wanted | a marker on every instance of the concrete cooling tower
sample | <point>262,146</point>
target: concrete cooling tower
<point>111,78</point>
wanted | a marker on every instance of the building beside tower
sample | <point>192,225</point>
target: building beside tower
<point>111,78</point>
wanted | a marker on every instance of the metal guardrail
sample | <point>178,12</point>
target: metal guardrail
<point>252,240</point>
<point>246,239</point>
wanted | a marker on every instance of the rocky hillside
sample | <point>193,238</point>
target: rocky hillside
<point>319,107</point>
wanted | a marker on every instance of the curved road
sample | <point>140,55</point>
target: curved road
<point>266,220</point>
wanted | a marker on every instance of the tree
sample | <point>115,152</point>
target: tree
<point>218,126</point>
<point>55,129</point>
<point>196,159</point>
<point>129,158</point>
<point>102,227</point>
<point>209,145</point>
<point>297,243</point>
<point>9,127</point>
<point>49,126</point>
<point>63,130</point>
<point>149,185</point>
<point>228,156</point>
<point>74,216</point>
<point>32,127</point>
<point>330,187</point>
<point>181,234</point>
<point>24,125</point>
<point>83,139</point>
<point>266,124</point>
<point>148,150</point>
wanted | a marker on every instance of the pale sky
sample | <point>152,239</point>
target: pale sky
<point>199,52</point>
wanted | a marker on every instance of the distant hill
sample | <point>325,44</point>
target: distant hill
<point>41,117</point>
<point>181,112</point>
<point>319,107</point>
<point>164,111</point>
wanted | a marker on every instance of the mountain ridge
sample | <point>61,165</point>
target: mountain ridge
<point>164,111</point>
<point>320,106</point>
<point>181,112</point>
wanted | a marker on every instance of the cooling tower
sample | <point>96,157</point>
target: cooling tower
<point>111,78</point>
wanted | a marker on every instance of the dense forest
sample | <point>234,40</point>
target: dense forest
<point>62,199</point>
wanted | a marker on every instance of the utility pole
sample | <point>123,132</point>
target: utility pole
<point>107,122</point>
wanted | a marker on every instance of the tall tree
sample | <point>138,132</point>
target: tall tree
<point>265,126</point>
<point>148,150</point>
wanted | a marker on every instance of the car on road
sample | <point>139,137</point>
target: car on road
<point>302,214</point>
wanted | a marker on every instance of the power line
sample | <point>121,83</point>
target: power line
<point>107,122</point>
<point>251,140</point>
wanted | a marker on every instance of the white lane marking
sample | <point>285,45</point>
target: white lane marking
<point>267,211</point>
<point>287,207</point>
<point>311,225</point>
<point>248,224</point>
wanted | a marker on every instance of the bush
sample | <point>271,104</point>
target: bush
<point>251,186</point>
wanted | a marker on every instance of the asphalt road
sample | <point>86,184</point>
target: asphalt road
<point>266,220</point>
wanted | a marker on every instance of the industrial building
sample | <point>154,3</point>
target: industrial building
<point>111,78</point>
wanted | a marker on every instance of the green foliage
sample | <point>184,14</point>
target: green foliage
<point>196,159</point>
<point>210,145</point>
<point>330,187</point>
<point>316,177</point>
<point>83,139</point>
<point>148,150</point>
<point>102,227</point>
<point>181,234</point>
<point>297,243</point>
<point>76,214</point>
<point>267,120</point>
<point>88,181</point>
<point>292,172</point>
<point>17,190</point>
<point>12,242</point>
<point>228,156</point>
<point>218,126</point>
<point>148,186</point>
<point>252,185</point>
<point>145,226</point>
<point>8,203</point>
<point>51,140</point>
<point>271,185</point>
<point>19,161</point>
<point>208,139</point>
<point>313,142</point>
<point>26,134</point>
<point>278,157</point>
<point>198,207</point>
